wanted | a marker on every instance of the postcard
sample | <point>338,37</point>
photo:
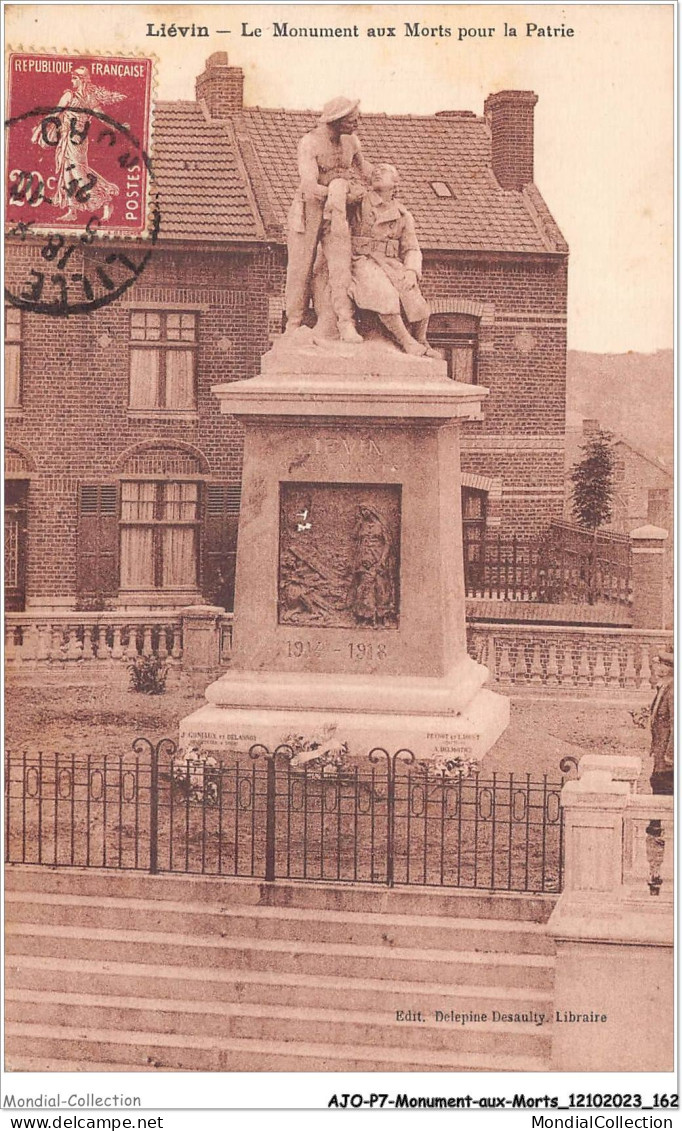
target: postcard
<point>339,543</point>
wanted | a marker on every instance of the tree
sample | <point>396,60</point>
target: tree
<point>593,490</point>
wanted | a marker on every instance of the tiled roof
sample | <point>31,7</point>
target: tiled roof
<point>234,180</point>
<point>203,189</point>
<point>453,148</point>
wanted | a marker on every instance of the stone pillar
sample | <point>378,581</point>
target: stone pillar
<point>648,577</point>
<point>201,637</point>
<point>349,596</point>
<point>613,995</point>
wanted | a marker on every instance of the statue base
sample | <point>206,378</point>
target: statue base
<point>349,596</point>
<point>438,720</point>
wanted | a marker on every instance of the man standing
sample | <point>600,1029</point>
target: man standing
<point>663,754</point>
<point>662,739</point>
<point>331,152</point>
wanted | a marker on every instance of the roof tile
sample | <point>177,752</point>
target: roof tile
<point>216,185</point>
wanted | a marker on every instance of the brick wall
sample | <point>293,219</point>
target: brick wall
<point>75,421</point>
<point>76,425</point>
<point>522,361</point>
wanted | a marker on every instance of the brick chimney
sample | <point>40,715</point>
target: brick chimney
<point>221,87</point>
<point>510,114</point>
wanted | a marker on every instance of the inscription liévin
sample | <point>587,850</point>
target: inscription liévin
<point>347,445</point>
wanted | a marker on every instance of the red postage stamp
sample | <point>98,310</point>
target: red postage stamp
<point>77,142</point>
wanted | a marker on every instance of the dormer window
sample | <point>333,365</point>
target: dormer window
<point>441,189</point>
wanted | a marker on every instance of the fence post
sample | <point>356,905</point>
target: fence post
<point>390,818</point>
<point>614,942</point>
<point>648,577</point>
<point>154,811</point>
<point>270,798</point>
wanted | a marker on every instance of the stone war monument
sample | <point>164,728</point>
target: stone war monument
<point>349,616</point>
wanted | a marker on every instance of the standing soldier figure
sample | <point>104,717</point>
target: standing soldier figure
<point>329,153</point>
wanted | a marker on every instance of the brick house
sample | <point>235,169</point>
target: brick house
<point>122,478</point>
<point>643,485</point>
<point>643,493</point>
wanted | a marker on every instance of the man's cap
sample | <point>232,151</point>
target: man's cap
<point>338,108</point>
<point>666,658</point>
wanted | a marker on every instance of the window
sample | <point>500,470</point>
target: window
<point>474,511</point>
<point>159,535</point>
<point>162,360</point>
<point>12,357</point>
<point>456,335</point>
<point>441,189</point>
<point>659,508</point>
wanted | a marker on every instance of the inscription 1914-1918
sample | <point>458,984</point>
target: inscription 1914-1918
<point>357,650</point>
<point>339,554</point>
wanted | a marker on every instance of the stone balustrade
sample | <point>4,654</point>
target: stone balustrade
<point>70,637</point>
<point>560,657</point>
<point>57,640</point>
<point>553,657</point>
<point>648,847</point>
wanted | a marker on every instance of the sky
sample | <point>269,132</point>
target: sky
<point>603,123</point>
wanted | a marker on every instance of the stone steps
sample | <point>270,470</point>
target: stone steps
<point>180,888</point>
<point>127,972</point>
<point>359,928</point>
<point>176,1052</point>
<point>211,984</point>
<point>271,1022</point>
<point>414,964</point>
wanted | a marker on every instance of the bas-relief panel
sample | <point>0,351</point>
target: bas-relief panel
<point>339,555</point>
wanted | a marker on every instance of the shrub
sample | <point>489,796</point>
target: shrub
<point>148,674</point>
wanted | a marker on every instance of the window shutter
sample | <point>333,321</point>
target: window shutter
<point>97,568</point>
<point>463,362</point>
<point>221,520</point>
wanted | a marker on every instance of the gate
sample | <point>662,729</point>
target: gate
<point>386,820</point>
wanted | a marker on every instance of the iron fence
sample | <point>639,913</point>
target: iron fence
<point>388,819</point>
<point>566,564</point>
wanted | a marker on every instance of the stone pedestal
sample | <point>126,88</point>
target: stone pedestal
<point>614,974</point>
<point>201,636</point>
<point>349,599</point>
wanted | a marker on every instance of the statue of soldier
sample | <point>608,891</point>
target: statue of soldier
<point>332,170</point>
<point>387,263</point>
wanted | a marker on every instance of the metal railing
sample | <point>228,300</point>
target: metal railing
<point>386,819</point>
<point>562,566</point>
